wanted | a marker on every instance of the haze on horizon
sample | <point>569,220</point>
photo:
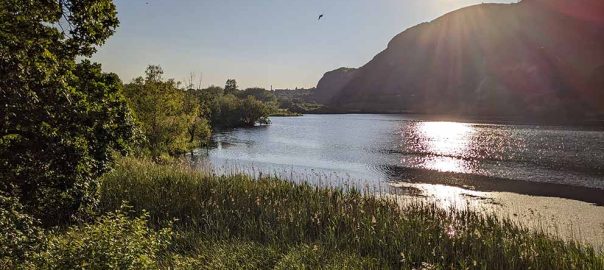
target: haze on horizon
<point>260,43</point>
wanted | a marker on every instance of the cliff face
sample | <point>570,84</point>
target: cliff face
<point>536,58</point>
<point>332,83</point>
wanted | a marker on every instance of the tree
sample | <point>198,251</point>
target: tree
<point>254,111</point>
<point>230,112</point>
<point>225,112</point>
<point>230,87</point>
<point>260,94</point>
<point>60,121</point>
<point>213,91</point>
<point>208,99</point>
<point>199,129</point>
<point>169,117</point>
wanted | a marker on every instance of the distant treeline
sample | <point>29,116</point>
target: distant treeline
<point>298,100</point>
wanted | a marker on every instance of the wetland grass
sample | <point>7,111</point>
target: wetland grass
<point>298,222</point>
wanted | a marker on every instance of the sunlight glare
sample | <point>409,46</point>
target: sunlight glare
<point>448,141</point>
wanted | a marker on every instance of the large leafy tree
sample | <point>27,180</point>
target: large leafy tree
<point>60,121</point>
<point>170,117</point>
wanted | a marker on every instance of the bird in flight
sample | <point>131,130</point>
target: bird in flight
<point>320,16</point>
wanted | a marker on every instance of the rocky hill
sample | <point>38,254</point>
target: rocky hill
<point>332,82</point>
<point>537,59</point>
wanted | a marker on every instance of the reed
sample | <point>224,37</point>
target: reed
<point>284,216</point>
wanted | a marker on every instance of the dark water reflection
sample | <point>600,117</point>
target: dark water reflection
<point>380,148</point>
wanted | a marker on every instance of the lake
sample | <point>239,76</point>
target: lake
<point>522,167</point>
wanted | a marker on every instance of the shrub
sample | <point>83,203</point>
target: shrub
<point>113,242</point>
<point>20,238</point>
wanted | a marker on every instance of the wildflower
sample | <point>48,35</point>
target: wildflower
<point>450,231</point>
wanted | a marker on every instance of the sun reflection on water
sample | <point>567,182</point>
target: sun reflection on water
<point>446,164</point>
<point>448,196</point>
<point>446,144</point>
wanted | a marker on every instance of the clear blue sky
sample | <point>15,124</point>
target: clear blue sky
<point>259,42</point>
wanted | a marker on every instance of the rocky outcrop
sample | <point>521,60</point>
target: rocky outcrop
<point>332,82</point>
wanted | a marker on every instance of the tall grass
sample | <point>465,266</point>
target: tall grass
<point>284,215</point>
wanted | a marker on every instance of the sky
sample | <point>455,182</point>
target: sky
<point>260,43</point>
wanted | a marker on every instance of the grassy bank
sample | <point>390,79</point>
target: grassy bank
<point>270,223</point>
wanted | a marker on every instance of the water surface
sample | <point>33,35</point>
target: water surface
<point>547,178</point>
<point>563,162</point>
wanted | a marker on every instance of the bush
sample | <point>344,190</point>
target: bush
<point>113,242</point>
<point>20,238</point>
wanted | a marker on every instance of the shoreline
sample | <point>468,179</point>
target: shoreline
<point>498,184</point>
<point>597,124</point>
<point>566,218</point>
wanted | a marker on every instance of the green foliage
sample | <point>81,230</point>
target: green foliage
<point>20,238</point>
<point>59,122</point>
<point>227,255</point>
<point>208,100</point>
<point>284,113</point>
<point>113,242</point>
<point>225,112</point>
<point>175,120</point>
<point>232,109</point>
<point>299,100</point>
<point>251,255</point>
<point>317,257</point>
<point>169,116</point>
<point>282,214</point>
<point>200,131</point>
<point>298,106</point>
<point>210,93</point>
<point>231,87</point>
<point>260,94</point>
<point>230,112</point>
<point>254,111</point>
